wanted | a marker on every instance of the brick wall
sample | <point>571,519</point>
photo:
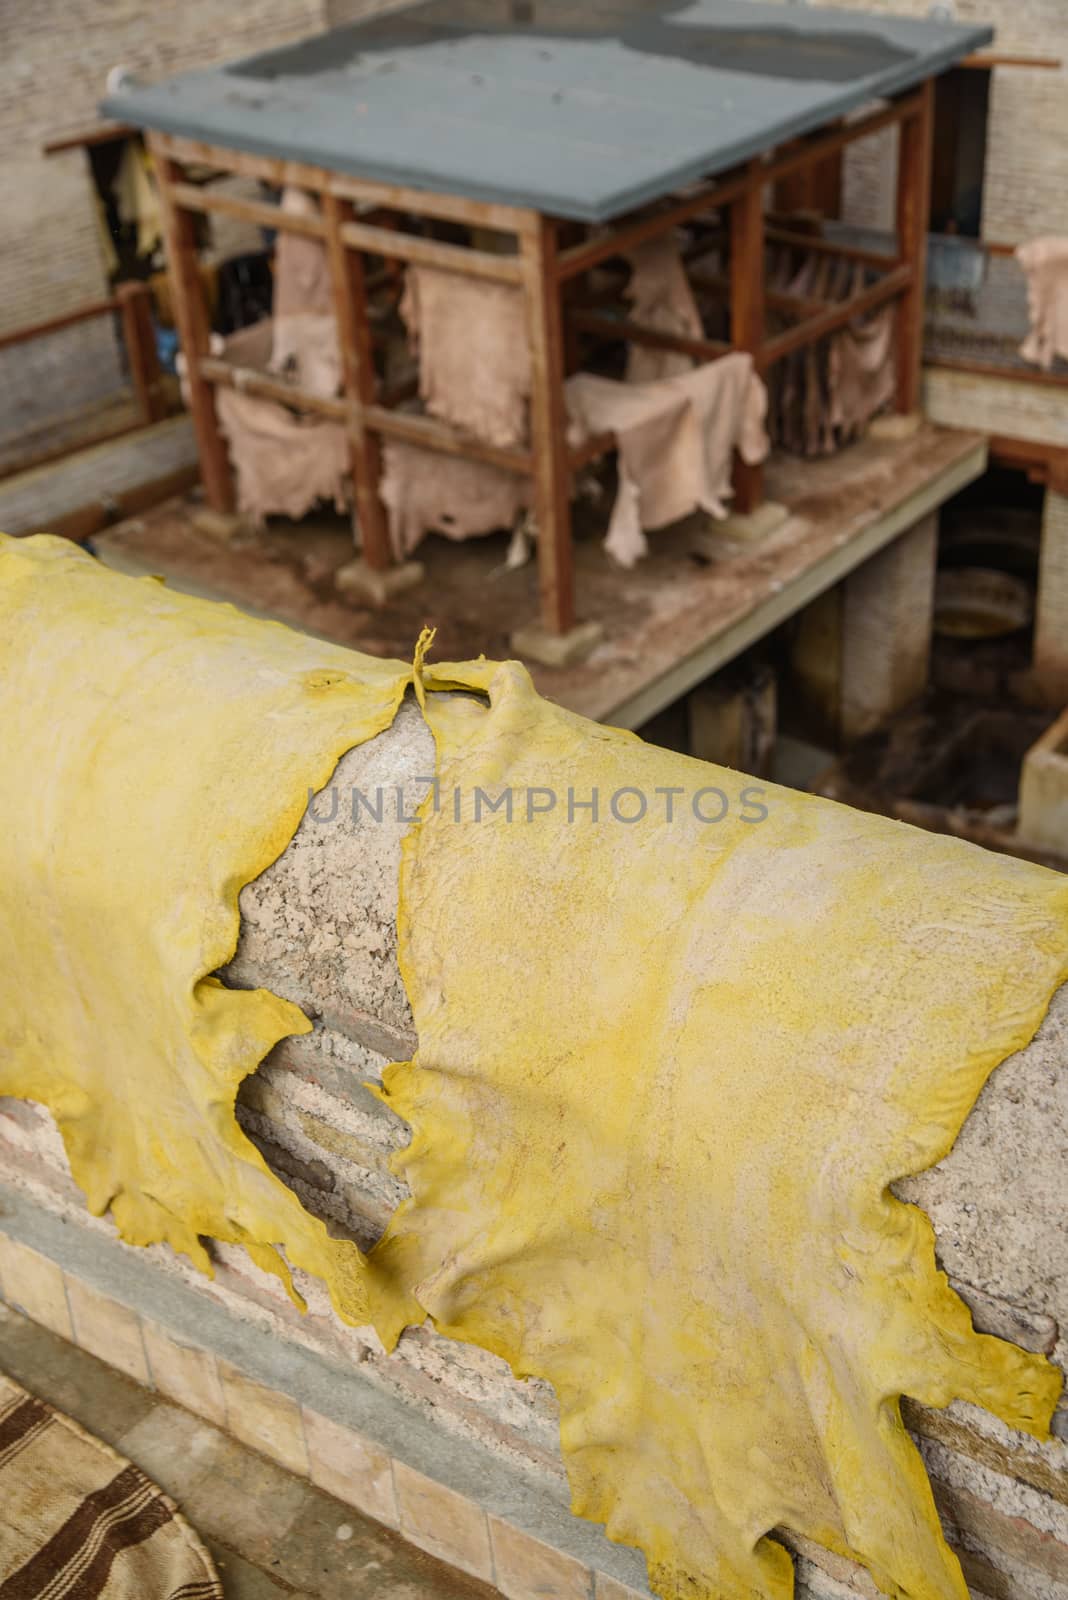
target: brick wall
<point>1026,189</point>
<point>54,60</point>
<point>1005,406</point>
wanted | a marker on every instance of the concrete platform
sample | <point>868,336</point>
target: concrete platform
<point>92,486</point>
<point>668,624</point>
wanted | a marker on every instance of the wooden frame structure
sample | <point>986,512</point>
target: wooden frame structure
<point>360,218</point>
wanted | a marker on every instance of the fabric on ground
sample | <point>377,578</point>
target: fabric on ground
<point>428,492</point>
<point>660,294</point>
<point>668,1068</point>
<point>78,1520</point>
<point>284,465</point>
<point>1045,261</point>
<point>677,439</point>
<point>474,352</point>
<point>666,1074</point>
<point>158,756</point>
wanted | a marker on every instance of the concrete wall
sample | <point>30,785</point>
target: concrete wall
<point>320,928</point>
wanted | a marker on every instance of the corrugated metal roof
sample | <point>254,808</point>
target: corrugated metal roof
<point>579,108</point>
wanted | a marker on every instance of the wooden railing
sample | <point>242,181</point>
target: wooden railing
<point>132,304</point>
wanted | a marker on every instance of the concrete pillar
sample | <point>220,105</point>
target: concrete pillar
<point>1044,792</point>
<point>888,606</point>
<point>816,670</point>
<point>1051,620</point>
<point>732,721</point>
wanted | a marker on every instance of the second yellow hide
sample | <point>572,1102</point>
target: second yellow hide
<point>666,1073</point>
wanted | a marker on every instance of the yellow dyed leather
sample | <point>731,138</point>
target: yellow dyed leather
<point>666,1073</point>
<point>157,755</point>
<point>667,1070</point>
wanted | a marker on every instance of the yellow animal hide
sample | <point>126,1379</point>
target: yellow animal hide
<point>666,1073</point>
<point>667,1069</point>
<point>157,757</point>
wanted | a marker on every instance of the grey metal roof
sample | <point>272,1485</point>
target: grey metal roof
<point>580,108</point>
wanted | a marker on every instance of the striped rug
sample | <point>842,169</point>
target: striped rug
<point>77,1522</point>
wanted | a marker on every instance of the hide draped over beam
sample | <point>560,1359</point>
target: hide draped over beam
<point>667,1068</point>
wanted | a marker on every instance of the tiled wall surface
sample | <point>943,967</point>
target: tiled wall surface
<point>1006,1555</point>
<point>348,1465</point>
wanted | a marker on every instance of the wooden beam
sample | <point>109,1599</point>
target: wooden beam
<point>747,311</point>
<point>65,319</point>
<point>835,317</point>
<point>649,225</point>
<point>142,357</point>
<point>84,138</point>
<point>984,61</point>
<point>431,434</point>
<point>392,197</point>
<point>397,246</point>
<point>265,386</point>
<point>913,223</point>
<point>552,469</point>
<point>191,316</point>
<point>1043,463</point>
<point>791,305</point>
<point>260,212</point>
<point>818,146</point>
<point>725,190</point>
<point>831,247</point>
<point>361,385</point>
<point>622,328</point>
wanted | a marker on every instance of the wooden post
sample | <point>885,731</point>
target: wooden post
<point>913,220</point>
<point>142,358</point>
<point>194,329</point>
<point>747,310</point>
<point>552,475</point>
<point>357,360</point>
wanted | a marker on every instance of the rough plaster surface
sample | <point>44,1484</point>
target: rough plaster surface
<point>320,926</point>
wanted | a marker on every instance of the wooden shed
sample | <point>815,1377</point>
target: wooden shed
<point>527,142</point>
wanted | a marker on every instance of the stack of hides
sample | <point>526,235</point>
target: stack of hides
<point>824,396</point>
